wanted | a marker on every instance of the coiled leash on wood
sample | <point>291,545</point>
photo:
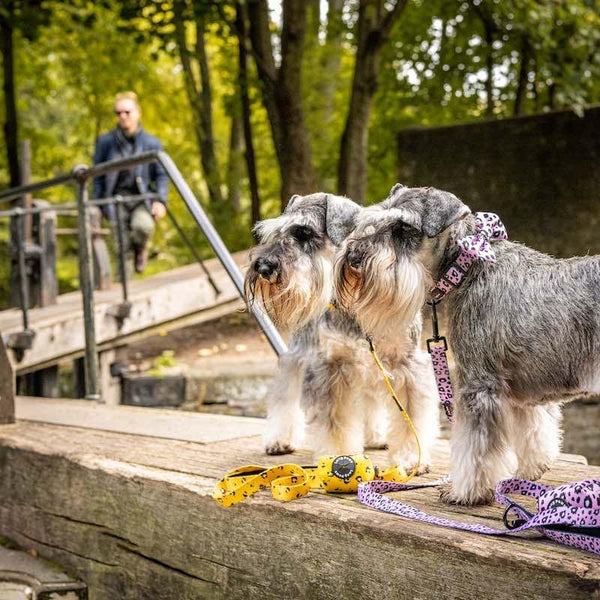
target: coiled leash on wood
<point>333,474</point>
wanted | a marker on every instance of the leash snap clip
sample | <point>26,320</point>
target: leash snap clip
<point>435,340</point>
<point>517,522</point>
<point>436,331</point>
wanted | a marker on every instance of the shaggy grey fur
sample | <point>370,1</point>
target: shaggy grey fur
<point>328,376</point>
<point>524,332</point>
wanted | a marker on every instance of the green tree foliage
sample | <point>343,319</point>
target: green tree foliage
<point>434,70</point>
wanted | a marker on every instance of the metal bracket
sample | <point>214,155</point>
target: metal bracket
<point>20,342</point>
<point>120,312</point>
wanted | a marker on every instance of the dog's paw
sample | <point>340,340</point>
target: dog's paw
<point>449,496</point>
<point>410,461</point>
<point>376,445</point>
<point>276,448</point>
<point>532,472</point>
<point>422,469</point>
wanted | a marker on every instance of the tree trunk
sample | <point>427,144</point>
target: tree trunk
<point>374,27</point>
<point>536,93</point>
<point>521,92</point>
<point>489,67</point>
<point>234,167</point>
<point>438,93</point>
<point>200,99</point>
<point>260,36</point>
<point>331,59</point>
<point>240,24</point>
<point>209,156</point>
<point>10,124</point>
<point>482,11</point>
<point>298,176</point>
<point>282,93</point>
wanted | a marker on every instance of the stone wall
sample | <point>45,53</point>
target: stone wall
<point>541,174</point>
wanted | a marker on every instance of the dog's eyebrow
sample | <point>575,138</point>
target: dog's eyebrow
<point>301,222</point>
<point>382,218</point>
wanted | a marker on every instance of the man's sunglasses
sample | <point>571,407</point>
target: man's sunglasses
<point>118,112</point>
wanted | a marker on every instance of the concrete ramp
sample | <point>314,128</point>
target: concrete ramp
<point>168,300</point>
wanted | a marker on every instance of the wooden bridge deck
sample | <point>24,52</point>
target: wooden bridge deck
<point>164,301</point>
<point>133,517</point>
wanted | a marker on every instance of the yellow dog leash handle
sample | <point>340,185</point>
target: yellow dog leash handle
<point>287,482</point>
<point>334,474</point>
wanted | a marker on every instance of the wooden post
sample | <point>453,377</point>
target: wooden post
<point>44,285</point>
<point>111,384</point>
<point>79,377</point>
<point>7,387</point>
<point>102,267</point>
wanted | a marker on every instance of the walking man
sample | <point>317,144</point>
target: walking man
<point>128,139</point>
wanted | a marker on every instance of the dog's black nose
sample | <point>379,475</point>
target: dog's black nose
<point>354,258</point>
<point>265,267</point>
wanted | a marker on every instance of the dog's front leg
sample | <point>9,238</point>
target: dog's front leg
<point>479,455</point>
<point>376,420</point>
<point>285,422</point>
<point>422,406</point>
<point>334,417</point>
<point>537,434</point>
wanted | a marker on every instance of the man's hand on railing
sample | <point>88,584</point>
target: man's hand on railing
<point>159,210</point>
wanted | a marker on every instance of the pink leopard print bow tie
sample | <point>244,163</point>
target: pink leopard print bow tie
<point>477,247</point>
<point>488,226</point>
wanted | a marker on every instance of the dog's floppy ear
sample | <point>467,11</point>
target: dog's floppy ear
<point>397,195</point>
<point>340,218</point>
<point>290,205</point>
<point>439,210</point>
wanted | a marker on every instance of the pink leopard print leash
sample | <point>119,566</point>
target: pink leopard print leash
<point>568,514</point>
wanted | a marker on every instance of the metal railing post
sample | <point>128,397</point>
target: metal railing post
<point>86,270</point>
<point>214,239</point>
<point>21,267</point>
<point>122,249</point>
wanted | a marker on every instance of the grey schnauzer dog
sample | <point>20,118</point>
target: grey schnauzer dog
<point>328,376</point>
<point>524,330</point>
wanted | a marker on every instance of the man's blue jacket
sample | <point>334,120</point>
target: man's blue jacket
<point>149,176</point>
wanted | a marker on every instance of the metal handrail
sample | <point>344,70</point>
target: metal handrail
<point>35,210</point>
<point>80,175</point>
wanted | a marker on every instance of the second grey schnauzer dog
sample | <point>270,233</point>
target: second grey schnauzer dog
<point>524,331</point>
<point>327,375</point>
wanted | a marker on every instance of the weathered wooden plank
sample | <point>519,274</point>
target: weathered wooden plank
<point>7,387</point>
<point>134,518</point>
<point>158,423</point>
<point>156,301</point>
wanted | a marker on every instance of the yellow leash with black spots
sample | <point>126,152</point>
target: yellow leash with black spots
<point>334,474</point>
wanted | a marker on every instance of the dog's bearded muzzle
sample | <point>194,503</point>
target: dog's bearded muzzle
<point>292,297</point>
<point>380,289</point>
